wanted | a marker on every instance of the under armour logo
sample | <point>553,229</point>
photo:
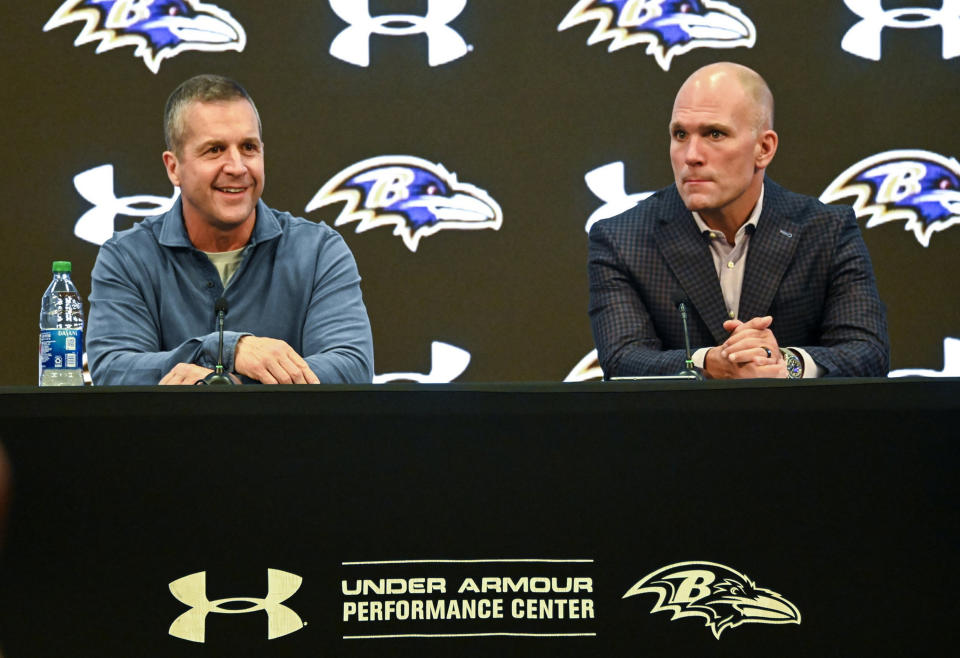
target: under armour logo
<point>608,184</point>
<point>352,45</point>
<point>447,362</point>
<point>951,363</point>
<point>96,186</point>
<point>864,38</point>
<point>192,591</point>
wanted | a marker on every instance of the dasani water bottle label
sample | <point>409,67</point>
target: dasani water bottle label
<point>60,348</point>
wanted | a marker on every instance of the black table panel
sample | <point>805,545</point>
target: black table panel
<point>548,502</point>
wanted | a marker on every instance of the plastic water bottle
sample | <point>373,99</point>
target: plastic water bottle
<point>61,330</point>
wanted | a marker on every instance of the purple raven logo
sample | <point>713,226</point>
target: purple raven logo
<point>668,27</point>
<point>920,187</point>
<point>587,369</point>
<point>724,597</point>
<point>415,196</point>
<point>158,28</point>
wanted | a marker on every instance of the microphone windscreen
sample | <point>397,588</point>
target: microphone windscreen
<point>221,306</point>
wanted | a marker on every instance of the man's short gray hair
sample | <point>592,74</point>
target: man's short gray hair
<point>203,88</point>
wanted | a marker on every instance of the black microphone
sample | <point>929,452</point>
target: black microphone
<point>217,378</point>
<point>690,370</point>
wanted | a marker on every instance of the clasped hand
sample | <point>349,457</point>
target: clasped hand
<point>750,351</point>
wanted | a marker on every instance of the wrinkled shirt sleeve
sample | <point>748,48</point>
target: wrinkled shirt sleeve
<point>123,336</point>
<point>337,341</point>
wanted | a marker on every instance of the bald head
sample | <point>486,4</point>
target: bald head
<point>721,142</point>
<point>727,75</point>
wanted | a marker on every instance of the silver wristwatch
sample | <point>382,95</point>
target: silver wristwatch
<point>794,364</point>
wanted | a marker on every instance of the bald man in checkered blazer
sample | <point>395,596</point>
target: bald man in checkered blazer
<point>777,283</point>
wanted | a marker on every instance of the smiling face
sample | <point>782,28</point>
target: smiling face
<point>219,169</point>
<point>720,145</point>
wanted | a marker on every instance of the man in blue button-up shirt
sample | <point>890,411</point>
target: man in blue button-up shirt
<point>295,312</point>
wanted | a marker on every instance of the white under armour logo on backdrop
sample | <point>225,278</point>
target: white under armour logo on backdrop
<point>96,186</point>
<point>192,591</point>
<point>447,362</point>
<point>865,38</point>
<point>608,183</point>
<point>352,45</point>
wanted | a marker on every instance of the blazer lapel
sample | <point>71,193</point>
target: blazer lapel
<point>688,257</point>
<point>772,248</point>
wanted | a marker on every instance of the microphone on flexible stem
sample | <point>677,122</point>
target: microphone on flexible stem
<point>217,377</point>
<point>690,370</point>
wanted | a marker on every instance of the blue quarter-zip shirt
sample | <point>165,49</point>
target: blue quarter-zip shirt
<point>153,293</point>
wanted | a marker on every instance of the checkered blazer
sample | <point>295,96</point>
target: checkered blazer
<point>807,266</point>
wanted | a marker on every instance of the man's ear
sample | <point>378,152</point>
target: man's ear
<point>172,165</point>
<point>766,148</point>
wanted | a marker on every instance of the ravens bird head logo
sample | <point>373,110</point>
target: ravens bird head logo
<point>724,597</point>
<point>587,369</point>
<point>668,27</point>
<point>920,187</point>
<point>415,196</point>
<point>158,28</point>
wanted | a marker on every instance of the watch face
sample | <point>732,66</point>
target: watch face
<point>794,367</point>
